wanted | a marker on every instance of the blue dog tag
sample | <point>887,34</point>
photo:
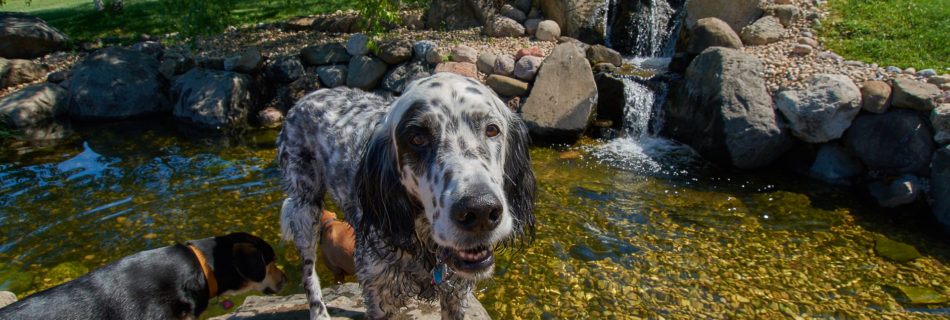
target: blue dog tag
<point>438,273</point>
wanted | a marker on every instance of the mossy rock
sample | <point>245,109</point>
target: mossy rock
<point>66,271</point>
<point>12,279</point>
<point>894,250</point>
<point>915,295</point>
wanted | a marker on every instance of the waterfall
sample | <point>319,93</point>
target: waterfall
<point>638,109</point>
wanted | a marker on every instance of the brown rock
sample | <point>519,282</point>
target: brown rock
<point>875,96</point>
<point>533,51</point>
<point>506,86</point>
<point>467,69</point>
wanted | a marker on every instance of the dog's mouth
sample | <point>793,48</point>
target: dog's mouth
<point>468,260</point>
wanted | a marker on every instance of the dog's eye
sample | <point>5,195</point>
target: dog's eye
<point>420,140</point>
<point>492,130</point>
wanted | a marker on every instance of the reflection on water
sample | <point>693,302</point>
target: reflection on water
<point>622,233</point>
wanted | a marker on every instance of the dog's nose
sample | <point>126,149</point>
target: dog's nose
<point>477,213</point>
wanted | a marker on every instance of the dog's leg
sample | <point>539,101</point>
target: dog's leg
<point>453,306</point>
<point>381,302</point>
<point>303,222</point>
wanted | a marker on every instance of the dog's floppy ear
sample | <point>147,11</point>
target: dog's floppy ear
<point>386,205</point>
<point>520,186</point>
<point>249,261</point>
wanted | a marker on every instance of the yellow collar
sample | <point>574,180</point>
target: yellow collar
<point>206,269</point>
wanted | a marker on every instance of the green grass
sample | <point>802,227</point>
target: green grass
<point>903,33</point>
<point>79,20</point>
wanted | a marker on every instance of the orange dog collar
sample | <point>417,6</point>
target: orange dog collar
<point>206,269</point>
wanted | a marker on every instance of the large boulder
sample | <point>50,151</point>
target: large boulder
<point>736,13</point>
<point>400,76</point>
<point>723,110</point>
<point>548,30</point>
<point>365,72</point>
<point>564,98</point>
<point>892,143</point>
<point>875,96</point>
<point>711,32</point>
<point>940,184</point>
<point>940,120</point>
<point>459,14</point>
<point>115,83</point>
<point>835,164</point>
<point>915,95</point>
<point>213,99</point>
<point>581,19</point>
<point>823,109</point>
<point>33,105</point>
<point>527,67</point>
<point>902,190</point>
<point>19,71</point>
<point>395,51</point>
<point>333,75</point>
<point>25,37</point>
<point>763,31</point>
<point>501,26</point>
<point>327,53</point>
<point>249,60</point>
<point>600,53</point>
<point>284,69</point>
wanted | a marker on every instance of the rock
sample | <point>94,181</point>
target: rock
<point>270,118</point>
<point>213,99</point>
<point>356,44</point>
<point>343,302</point>
<point>915,295</point>
<point>736,13</point>
<point>507,87</point>
<point>400,76</point>
<point>58,76</point>
<point>903,190</point>
<point>531,26</point>
<point>486,62</point>
<point>284,69</point>
<point>421,48</point>
<point>894,250</point>
<point>533,51</point>
<point>811,42</point>
<point>33,105</point>
<point>786,14</point>
<point>6,298</point>
<point>830,56</point>
<point>19,71</point>
<point>893,69</point>
<point>611,97</point>
<point>500,26</point>
<point>711,32</point>
<point>344,23</point>
<point>577,18</point>
<point>152,48</point>
<point>941,79</point>
<point>176,65</point>
<point>527,67</point>
<point>23,36</point>
<point>599,53</point>
<point>504,65</point>
<point>875,96</point>
<point>940,120</point>
<point>116,83</point>
<point>437,55</point>
<point>823,109</point>
<point>458,14</point>
<point>523,5</point>
<point>248,60</point>
<point>395,51</point>
<point>467,69</point>
<point>548,30</point>
<point>764,31</point>
<point>915,95</point>
<point>926,73</point>
<point>299,24</point>
<point>513,13</point>
<point>835,164</point>
<point>463,53</point>
<point>802,49</point>
<point>327,53</point>
<point>365,72</point>
<point>940,184</point>
<point>909,71</point>
<point>723,110</point>
<point>892,143</point>
<point>557,107</point>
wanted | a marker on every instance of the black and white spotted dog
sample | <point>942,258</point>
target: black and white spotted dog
<point>434,182</point>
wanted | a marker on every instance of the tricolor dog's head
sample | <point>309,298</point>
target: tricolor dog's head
<point>244,263</point>
<point>452,151</point>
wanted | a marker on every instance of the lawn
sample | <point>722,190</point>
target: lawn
<point>79,20</point>
<point>903,33</point>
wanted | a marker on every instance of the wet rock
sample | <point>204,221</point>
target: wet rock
<point>500,26</point>
<point>766,30</point>
<point>6,298</point>
<point>463,53</point>
<point>327,53</point>
<point>723,110</point>
<point>562,108</point>
<point>486,62</point>
<point>213,99</point>
<point>19,71</point>
<point>548,30</point>
<point>599,53</point>
<point>507,87</point>
<point>823,109</point>
<point>894,250</point>
<point>940,120</point>
<point>400,76</point>
<point>395,51</point>
<point>835,164</point>
<point>903,190</point>
<point>332,76</point>
<point>365,72</point>
<point>611,99</point>
<point>467,69</point>
<point>33,105</point>
<point>248,60</point>
<point>712,32</point>
<point>23,36</point>
<point>504,65</point>
<point>270,118</point>
<point>875,96</point>
<point>116,83</point>
<point>916,295</point>
<point>284,69</point>
<point>915,95</point>
<point>892,143</point>
<point>527,67</point>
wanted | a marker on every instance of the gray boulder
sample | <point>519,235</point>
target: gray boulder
<point>915,95</point>
<point>737,13</point>
<point>213,99</point>
<point>463,53</point>
<point>548,30</point>
<point>116,83</point>
<point>564,98</point>
<point>940,120</point>
<point>24,36</point>
<point>892,143</point>
<point>940,184</point>
<point>356,44</point>
<point>486,62</point>
<point>600,53</point>
<point>507,87</point>
<point>421,48</point>
<point>395,51</point>
<point>400,76</point>
<point>835,164</point>
<point>513,13</point>
<point>723,110</point>
<point>327,53</point>
<point>766,30</point>
<point>786,13</point>
<point>438,55</point>
<point>903,190</point>
<point>33,105</point>
<point>582,19</point>
<point>501,26</point>
<point>875,96</point>
<point>19,71</point>
<point>365,72</point>
<point>823,109</point>
<point>284,69</point>
<point>711,32</point>
<point>248,60</point>
<point>458,14</point>
<point>527,67</point>
<point>504,65</point>
<point>332,76</point>
<point>270,117</point>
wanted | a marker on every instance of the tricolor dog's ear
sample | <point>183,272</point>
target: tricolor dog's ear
<point>249,261</point>
<point>520,186</point>
<point>385,202</point>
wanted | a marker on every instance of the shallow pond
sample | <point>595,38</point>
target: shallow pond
<point>620,235</point>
